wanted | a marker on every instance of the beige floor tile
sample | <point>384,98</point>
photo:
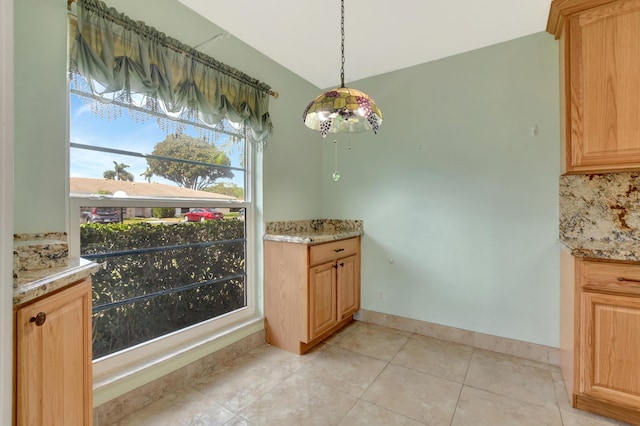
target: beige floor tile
<point>377,342</point>
<point>385,329</point>
<point>367,414</point>
<point>444,332</point>
<point>299,401</point>
<point>553,370</point>
<point>573,417</point>
<point>287,360</point>
<point>401,378</point>
<point>441,342</point>
<point>240,382</point>
<point>582,418</point>
<point>348,329</point>
<point>561,392</point>
<point>420,396</point>
<point>344,370</point>
<point>482,408</point>
<point>237,421</point>
<point>443,359</point>
<point>186,406</point>
<point>513,377</point>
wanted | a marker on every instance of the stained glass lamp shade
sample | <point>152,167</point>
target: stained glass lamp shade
<point>342,110</point>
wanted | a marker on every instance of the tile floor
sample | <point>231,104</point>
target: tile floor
<point>372,375</point>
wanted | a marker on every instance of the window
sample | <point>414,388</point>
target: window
<point>167,230</point>
<point>160,184</point>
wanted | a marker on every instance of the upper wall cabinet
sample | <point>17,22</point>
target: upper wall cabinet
<point>600,83</point>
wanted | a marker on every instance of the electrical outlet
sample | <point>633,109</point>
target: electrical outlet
<point>381,296</point>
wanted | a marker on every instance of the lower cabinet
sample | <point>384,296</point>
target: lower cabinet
<point>606,370</point>
<point>309,291</point>
<point>323,308</point>
<point>53,359</point>
<point>348,273</point>
<point>333,294</point>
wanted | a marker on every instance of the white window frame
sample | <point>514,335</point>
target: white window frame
<point>146,354</point>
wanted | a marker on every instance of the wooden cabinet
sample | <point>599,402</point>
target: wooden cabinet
<point>600,83</point>
<point>606,370</point>
<point>53,359</point>
<point>348,273</point>
<point>323,308</point>
<point>310,291</point>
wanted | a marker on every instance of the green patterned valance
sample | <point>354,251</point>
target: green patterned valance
<point>129,61</point>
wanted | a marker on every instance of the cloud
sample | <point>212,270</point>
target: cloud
<point>80,111</point>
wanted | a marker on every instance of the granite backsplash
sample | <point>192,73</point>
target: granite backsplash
<point>314,231</point>
<point>32,252</point>
<point>312,226</point>
<point>600,207</point>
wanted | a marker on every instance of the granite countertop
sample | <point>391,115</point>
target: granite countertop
<point>603,249</point>
<point>312,231</point>
<point>36,283</point>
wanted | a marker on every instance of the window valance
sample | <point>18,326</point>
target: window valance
<point>129,61</point>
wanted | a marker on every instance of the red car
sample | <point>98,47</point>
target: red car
<point>201,215</point>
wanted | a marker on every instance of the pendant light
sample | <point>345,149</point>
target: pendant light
<point>342,110</point>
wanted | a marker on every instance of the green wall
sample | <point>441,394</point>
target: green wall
<point>457,192</point>
<point>40,37</point>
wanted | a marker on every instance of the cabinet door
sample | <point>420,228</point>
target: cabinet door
<point>53,359</point>
<point>605,87</point>
<point>609,348</point>
<point>348,284</point>
<point>322,299</point>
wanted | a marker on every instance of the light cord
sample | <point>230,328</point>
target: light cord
<point>342,43</point>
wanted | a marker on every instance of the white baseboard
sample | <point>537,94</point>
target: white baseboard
<point>527,350</point>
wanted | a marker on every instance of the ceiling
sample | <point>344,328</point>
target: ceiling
<point>380,35</point>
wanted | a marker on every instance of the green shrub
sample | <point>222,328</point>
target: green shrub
<point>125,313</point>
<point>163,212</point>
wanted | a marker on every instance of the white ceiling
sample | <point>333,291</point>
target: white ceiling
<point>381,35</point>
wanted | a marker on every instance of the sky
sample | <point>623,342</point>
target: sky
<point>124,133</point>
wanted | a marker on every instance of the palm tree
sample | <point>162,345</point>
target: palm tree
<point>109,174</point>
<point>147,174</point>
<point>118,172</point>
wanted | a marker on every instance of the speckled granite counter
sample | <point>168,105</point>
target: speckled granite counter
<point>605,250</point>
<point>312,231</point>
<point>600,215</point>
<point>39,251</point>
<point>33,284</point>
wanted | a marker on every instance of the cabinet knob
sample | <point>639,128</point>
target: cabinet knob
<point>338,250</point>
<point>342,264</point>
<point>39,319</point>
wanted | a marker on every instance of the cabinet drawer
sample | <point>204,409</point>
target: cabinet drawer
<point>334,250</point>
<point>614,277</point>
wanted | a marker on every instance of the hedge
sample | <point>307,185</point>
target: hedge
<point>142,265</point>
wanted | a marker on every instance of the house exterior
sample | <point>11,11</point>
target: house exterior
<point>88,186</point>
<point>459,197</point>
